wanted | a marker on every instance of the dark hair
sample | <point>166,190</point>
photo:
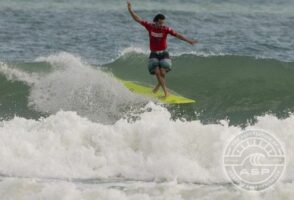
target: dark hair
<point>158,17</point>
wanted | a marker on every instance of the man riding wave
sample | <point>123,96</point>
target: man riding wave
<point>159,59</point>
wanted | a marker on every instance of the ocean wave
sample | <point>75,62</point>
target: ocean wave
<point>124,53</point>
<point>74,86</point>
<point>237,88</point>
<point>199,6</point>
<point>233,87</point>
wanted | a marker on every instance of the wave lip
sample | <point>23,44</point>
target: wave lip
<point>72,85</point>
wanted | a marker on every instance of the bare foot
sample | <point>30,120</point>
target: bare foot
<point>156,89</point>
<point>166,95</point>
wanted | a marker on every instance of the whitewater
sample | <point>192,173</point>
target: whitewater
<point>69,130</point>
<point>88,148</point>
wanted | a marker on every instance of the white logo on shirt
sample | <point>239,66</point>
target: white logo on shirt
<point>160,35</point>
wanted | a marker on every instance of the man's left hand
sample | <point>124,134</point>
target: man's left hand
<point>192,42</point>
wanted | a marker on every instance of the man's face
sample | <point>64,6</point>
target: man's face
<point>160,22</point>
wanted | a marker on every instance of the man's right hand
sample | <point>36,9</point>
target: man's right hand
<point>129,5</point>
<point>133,14</point>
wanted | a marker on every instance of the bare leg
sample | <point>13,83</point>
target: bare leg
<point>161,80</point>
<point>155,90</point>
<point>162,73</point>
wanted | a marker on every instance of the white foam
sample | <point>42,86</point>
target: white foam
<point>76,86</point>
<point>133,49</point>
<point>31,189</point>
<point>201,53</point>
<point>139,50</point>
<point>14,74</point>
<point>153,148</point>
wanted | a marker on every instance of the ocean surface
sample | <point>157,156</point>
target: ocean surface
<point>70,130</point>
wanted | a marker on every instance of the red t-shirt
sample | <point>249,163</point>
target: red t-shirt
<point>157,35</point>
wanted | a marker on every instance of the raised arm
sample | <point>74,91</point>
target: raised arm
<point>133,14</point>
<point>181,37</point>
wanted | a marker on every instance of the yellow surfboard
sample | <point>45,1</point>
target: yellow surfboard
<point>147,91</point>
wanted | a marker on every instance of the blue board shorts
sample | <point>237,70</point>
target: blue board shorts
<point>159,59</point>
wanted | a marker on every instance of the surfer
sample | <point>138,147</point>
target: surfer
<point>159,60</point>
